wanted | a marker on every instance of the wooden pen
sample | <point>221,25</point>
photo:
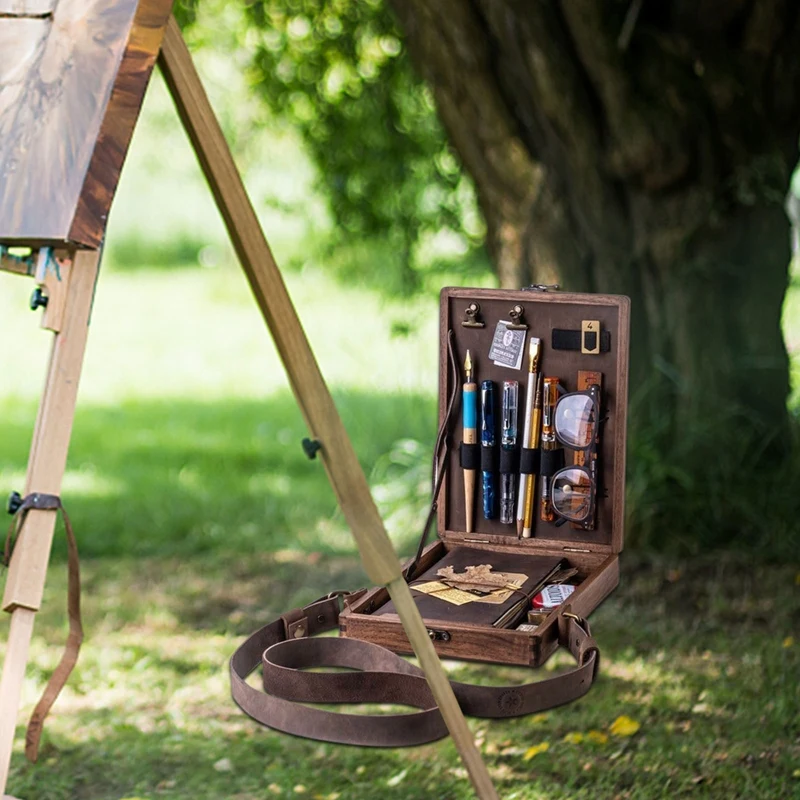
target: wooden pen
<point>469,399</point>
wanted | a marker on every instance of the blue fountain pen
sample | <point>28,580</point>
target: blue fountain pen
<point>487,440</point>
<point>508,481</point>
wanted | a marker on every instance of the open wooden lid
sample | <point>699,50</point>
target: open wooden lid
<point>543,312</point>
<point>72,79</point>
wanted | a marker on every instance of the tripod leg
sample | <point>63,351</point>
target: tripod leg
<point>312,394</point>
<point>48,458</point>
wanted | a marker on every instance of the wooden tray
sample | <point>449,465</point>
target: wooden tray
<point>593,552</point>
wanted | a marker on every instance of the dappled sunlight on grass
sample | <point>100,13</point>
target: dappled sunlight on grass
<point>152,684</point>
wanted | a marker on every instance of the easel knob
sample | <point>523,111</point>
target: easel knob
<point>14,503</point>
<point>38,299</point>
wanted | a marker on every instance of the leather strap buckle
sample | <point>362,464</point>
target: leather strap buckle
<point>295,623</point>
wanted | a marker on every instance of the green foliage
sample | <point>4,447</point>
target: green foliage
<point>339,72</point>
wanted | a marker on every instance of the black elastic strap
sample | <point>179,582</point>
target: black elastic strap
<point>564,339</point>
<point>552,461</point>
<point>471,456</point>
<point>509,460</point>
<point>529,461</point>
<point>488,458</point>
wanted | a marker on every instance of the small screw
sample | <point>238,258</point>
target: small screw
<point>38,299</point>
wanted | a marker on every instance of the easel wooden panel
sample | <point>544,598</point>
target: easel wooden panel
<point>72,78</point>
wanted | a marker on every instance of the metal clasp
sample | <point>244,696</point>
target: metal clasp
<point>542,287</point>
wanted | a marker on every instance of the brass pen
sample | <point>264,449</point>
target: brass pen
<point>530,490</point>
<point>530,430</point>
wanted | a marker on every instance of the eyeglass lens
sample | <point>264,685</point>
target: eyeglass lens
<point>572,494</point>
<point>575,420</point>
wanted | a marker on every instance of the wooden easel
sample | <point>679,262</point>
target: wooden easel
<point>67,315</point>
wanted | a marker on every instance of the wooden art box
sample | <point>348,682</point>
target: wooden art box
<point>584,343</point>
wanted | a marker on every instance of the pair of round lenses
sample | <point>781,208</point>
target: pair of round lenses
<point>575,424</point>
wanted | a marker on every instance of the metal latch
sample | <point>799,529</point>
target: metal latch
<point>542,287</point>
<point>438,636</point>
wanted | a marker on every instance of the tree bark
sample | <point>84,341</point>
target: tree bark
<point>652,164</point>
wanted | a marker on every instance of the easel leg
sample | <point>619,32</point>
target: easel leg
<point>46,464</point>
<point>312,394</point>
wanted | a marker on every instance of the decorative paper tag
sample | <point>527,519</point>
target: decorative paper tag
<point>477,584</point>
<point>507,346</point>
<point>446,593</point>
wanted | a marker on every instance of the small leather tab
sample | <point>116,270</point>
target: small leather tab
<point>295,623</point>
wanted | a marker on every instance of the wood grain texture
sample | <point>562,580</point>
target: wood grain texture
<point>543,312</point>
<point>598,576</point>
<point>48,454</point>
<point>71,85</point>
<point>19,640</point>
<point>46,463</point>
<point>344,472</point>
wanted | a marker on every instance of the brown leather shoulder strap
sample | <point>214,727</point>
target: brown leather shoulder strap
<point>50,502</point>
<point>284,651</point>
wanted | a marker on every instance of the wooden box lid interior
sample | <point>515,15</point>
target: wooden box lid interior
<point>544,311</point>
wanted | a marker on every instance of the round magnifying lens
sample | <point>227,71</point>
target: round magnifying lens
<point>572,493</point>
<point>575,420</point>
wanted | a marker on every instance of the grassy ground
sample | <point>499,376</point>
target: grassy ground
<point>199,519</point>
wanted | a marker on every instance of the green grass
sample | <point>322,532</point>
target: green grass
<point>199,519</point>
<point>696,654</point>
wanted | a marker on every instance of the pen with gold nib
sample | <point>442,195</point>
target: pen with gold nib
<point>549,398</point>
<point>530,437</point>
<point>469,399</point>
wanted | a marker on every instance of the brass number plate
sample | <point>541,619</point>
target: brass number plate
<point>590,337</point>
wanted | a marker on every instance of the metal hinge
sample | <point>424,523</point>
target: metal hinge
<point>542,287</point>
<point>576,550</point>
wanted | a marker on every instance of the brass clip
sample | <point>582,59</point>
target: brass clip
<point>472,316</point>
<point>517,323</point>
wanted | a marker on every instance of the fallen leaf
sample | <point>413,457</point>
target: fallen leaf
<point>624,726</point>
<point>700,708</point>
<point>223,765</point>
<point>788,641</point>
<point>574,738</point>
<point>598,737</point>
<point>299,789</point>
<point>698,779</point>
<point>396,779</point>
<point>274,788</point>
<point>542,747</point>
<point>539,718</point>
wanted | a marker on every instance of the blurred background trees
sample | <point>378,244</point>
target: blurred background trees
<point>643,149</point>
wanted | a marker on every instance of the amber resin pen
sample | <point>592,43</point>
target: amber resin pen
<point>549,399</point>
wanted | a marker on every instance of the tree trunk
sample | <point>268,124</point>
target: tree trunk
<point>643,149</point>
